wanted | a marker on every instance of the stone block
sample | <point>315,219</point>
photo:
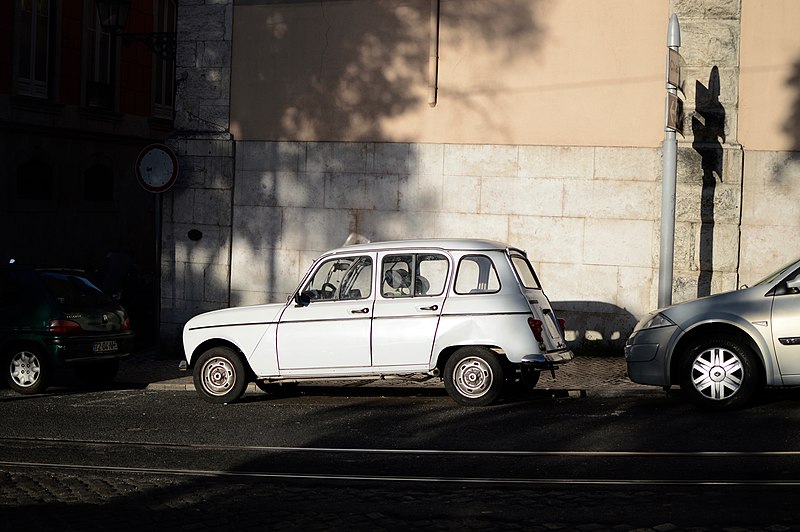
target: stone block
<point>765,248</point>
<point>719,203</point>
<point>549,239</point>
<point>336,157</point>
<point>775,206</point>
<point>258,227</point>
<point>362,191</point>
<point>480,160</point>
<point>275,188</point>
<point>522,195</point>
<point>629,200</point>
<point>212,207</point>
<point>265,156</point>
<point>579,282</point>
<point>216,280</point>
<point>421,192</point>
<point>710,43</point>
<point>627,164</point>
<point>764,170</point>
<point>461,194</point>
<point>698,81</point>
<point>182,205</point>
<point>426,159</point>
<point>706,9</point>
<point>212,248</point>
<point>203,23</point>
<point>389,158</point>
<point>717,247</point>
<point>213,54</point>
<point>637,291</point>
<point>264,270</point>
<point>556,161</point>
<point>616,242</point>
<point>315,229</point>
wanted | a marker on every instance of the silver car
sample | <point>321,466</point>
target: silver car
<point>724,348</point>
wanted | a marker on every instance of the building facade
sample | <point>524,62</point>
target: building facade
<point>77,105</point>
<point>303,124</point>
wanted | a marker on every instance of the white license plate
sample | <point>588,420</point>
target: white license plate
<point>107,346</point>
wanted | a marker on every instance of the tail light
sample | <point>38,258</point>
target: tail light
<point>63,327</point>
<point>126,325</point>
<point>536,328</point>
<point>563,324</point>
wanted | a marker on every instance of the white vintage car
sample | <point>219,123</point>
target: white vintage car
<point>471,312</point>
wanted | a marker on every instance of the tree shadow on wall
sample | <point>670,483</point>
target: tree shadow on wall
<point>708,129</point>
<point>326,71</point>
<point>791,128</point>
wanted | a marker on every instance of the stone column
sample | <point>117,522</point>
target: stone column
<point>197,211</point>
<point>709,156</point>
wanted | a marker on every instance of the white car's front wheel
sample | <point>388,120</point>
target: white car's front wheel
<point>220,375</point>
<point>473,376</point>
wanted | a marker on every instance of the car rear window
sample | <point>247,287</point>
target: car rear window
<point>525,271</point>
<point>73,291</point>
<point>476,275</point>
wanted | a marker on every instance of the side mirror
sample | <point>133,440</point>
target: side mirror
<point>302,299</point>
<point>793,284</point>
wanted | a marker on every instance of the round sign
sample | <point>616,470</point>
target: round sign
<point>156,168</point>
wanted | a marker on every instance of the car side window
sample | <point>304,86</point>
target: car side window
<point>414,275</point>
<point>476,274</point>
<point>348,278</point>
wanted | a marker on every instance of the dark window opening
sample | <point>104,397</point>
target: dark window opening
<point>34,181</point>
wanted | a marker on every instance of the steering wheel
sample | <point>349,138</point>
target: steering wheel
<point>327,291</point>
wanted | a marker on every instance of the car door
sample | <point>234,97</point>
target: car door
<point>786,326</point>
<point>411,294</point>
<point>331,328</point>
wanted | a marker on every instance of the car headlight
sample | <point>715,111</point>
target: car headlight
<point>654,321</point>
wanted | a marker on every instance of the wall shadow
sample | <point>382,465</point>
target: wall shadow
<point>595,327</point>
<point>708,129</point>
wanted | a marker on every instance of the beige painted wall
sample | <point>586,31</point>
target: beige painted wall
<point>542,72</point>
<point>769,109</point>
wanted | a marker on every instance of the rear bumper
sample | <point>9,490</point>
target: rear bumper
<point>547,360</point>
<point>77,349</point>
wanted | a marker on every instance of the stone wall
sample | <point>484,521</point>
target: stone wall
<point>586,216</point>
<point>197,211</point>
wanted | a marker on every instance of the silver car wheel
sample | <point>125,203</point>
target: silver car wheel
<point>218,376</point>
<point>717,373</point>
<point>25,369</point>
<point>473,377</point>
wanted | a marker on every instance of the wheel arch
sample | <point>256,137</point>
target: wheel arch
<point>447,352</point>
<point>220,342</point>
<point>696,334</point>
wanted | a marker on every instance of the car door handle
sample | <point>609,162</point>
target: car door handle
<point>432,307</point>
<point>364,310</point>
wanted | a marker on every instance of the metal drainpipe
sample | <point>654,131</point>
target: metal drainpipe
<point>433,59</point>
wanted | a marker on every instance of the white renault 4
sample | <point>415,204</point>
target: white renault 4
<point>470,312</point>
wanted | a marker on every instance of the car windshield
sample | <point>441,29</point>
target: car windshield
<point>73,291</point>
<point>771,277</point>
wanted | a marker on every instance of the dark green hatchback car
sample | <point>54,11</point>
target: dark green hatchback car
<point>52,318</point>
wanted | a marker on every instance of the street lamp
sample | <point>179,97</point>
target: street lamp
<point>113,14</point>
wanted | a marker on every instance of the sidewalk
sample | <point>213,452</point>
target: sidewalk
<point>584,376</point>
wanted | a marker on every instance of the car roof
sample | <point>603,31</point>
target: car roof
<point>460,244</point>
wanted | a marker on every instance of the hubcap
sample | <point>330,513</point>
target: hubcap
<point>473,377</point>
<point>218,376</point>
<point>25,369</point>
<point>717,373</point>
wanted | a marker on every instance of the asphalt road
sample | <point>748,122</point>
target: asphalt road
<point>371,459</point>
